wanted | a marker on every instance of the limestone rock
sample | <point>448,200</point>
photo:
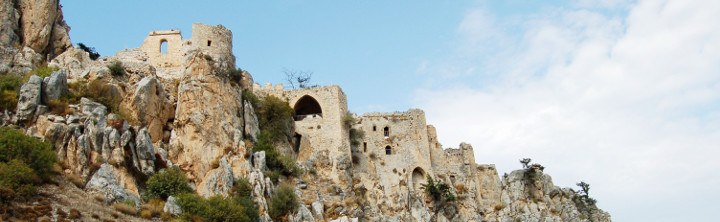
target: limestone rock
<point>208,117</point>
<point>302,215</point>
<point>259,160</point>
<point>218,181</point>
<point>38,22</point>
<point>104,181</point>
<point>251,122</point>
<point>150,107</point>
<point>55,86</point>
<point>9,17</point>
<point>145,152</point>
<point>318,210</point>
<point>76,62</point>
<point>172,207</point>
<point>29,99</point>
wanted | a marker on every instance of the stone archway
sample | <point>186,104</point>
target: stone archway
<point>418,177</point>
<point>307,106</point>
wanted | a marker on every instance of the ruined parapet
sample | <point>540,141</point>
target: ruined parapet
<point>166,50</point>
<point>158,41</point>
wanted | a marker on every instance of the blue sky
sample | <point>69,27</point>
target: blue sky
<point>622,94</point>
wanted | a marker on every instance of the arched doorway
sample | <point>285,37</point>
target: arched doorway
<point>418,177</point>
<point>307,106</point>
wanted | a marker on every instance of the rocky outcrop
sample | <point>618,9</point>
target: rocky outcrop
<point>149,106</point>
<point>251,123</point>
<point>29,99</point>
<point>31,31</point>
<point>208,118</point>
<point>78,65</point>
<point>43,27</point>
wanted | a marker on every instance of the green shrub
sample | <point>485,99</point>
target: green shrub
<point>273,175</point>
<point>234,74</point>
<point>41,71</point>
<point>9,88</point>
<point>251,98</point>
<point>168,182</point>
<point>242,188</point>
<point>356,136</point>
<point>283,201</point>
<point>103,93</point>
<point>36,154</point>
<point>18,177</point>
<point>439,191</point>
<point>215,208</point>
<point>275,117</point>
<point>90,50</point>
<point>116,68</point>
<point>276,162</point>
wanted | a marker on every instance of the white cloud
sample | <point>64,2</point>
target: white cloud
<point>629,104</point>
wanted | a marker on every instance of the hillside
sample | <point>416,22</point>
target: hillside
<point>121,125</point>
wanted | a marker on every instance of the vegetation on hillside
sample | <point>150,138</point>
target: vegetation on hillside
<point>168,182</point>
<point>24,161</point>
<point>9,89</point>
<point>236,207</point>
<point>438,190</point>
<point>283,202</point>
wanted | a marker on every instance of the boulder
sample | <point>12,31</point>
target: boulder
<point>29,99</point>
<point>104,182</point>
<point>39,19</point>
<point>172,207</point>
<point>218,181</point>
<point>55,86</point>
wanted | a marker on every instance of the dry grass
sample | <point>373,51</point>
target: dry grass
<point>77,180</point>
<point>99,198</point>
<point>124,208</point>
<point>460,188</point>
<point>146,214</point>
<point>154,207</point>
<point>74,214</point>
<point>215,164</point>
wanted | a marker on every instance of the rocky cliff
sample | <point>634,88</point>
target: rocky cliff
<point>197,117</point>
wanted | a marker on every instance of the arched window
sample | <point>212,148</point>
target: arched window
<point>387,132</point>
<point>418,176</point>
<point>364,146</point>
<point>388,150</point>
<point>163,46</point>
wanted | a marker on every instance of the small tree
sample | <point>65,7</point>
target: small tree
<point>439,191</point>
<point>90,50</point>
<point>298,78</point>
<point>525,162</point>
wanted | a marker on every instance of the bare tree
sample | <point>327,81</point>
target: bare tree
<point>298,78</point>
